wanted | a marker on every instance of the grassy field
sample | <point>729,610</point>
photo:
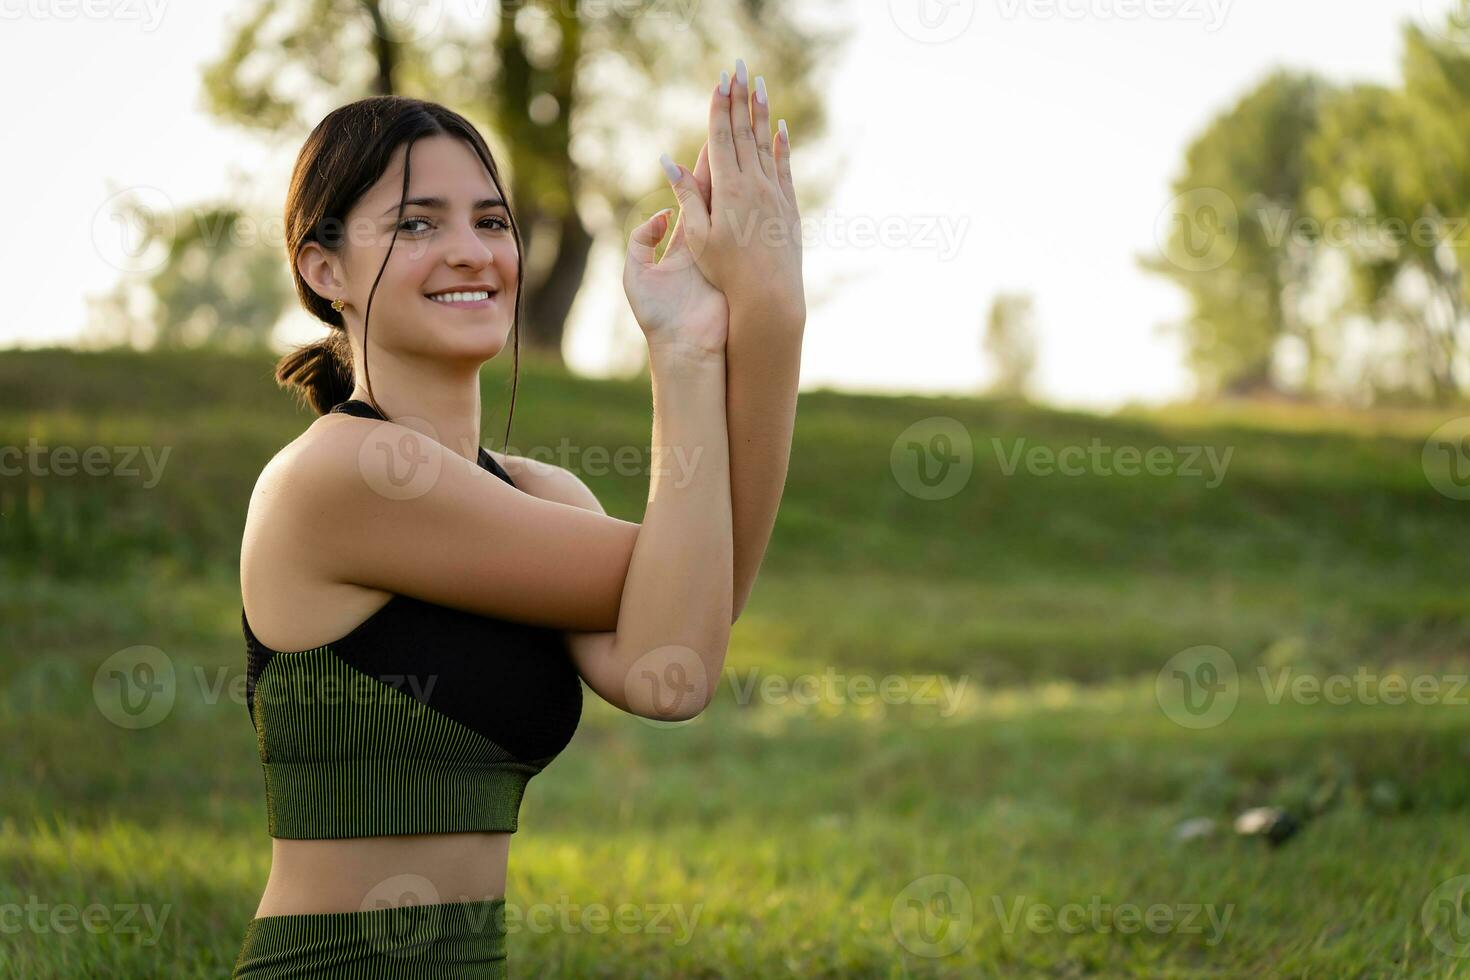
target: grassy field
<point>951,741</point>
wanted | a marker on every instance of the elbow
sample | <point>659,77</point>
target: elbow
<point>686,711</point>
<point>685,707</point>
<point>737,605</point>
<point>673,683</point>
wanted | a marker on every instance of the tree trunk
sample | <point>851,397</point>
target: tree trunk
<point>547,306</point>
<point>384,56</point>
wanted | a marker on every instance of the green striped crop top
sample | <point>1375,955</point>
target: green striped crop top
<point>421,719</point>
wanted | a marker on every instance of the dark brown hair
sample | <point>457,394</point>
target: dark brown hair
<point>347,152</point>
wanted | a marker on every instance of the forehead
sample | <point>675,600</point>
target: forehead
<point>441,166</point>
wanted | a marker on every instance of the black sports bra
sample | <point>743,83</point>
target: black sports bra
<point>421,719</point>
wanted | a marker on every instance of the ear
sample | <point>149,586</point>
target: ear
<point>321,270</point>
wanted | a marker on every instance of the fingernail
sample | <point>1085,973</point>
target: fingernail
<point>740,75</point>
<point>669,166</point>
<point>781,125</point>
<point>760,89</point>
<point>724,83</point>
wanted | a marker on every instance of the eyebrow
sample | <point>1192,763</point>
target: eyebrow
<point>440,204</point>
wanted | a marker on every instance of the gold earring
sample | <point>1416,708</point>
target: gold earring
<point>337,305</point>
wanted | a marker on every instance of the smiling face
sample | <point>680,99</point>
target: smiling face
<point>454,236</point>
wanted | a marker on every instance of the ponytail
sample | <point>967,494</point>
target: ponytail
<point>320,372</point>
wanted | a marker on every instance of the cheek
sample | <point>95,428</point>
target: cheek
<point>408,270</point>
<point>506,258</point>
<point>505,251</point>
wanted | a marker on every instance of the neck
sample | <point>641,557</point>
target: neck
<point>447,411</point>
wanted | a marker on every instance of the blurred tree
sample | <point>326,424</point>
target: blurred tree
<point>218,282</point>
<point>1010,340</point>
<point>1394,167</point>
<point>579,99</point>
<point>1236,246</point>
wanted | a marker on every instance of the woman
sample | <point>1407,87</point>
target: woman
<point>419,613</point>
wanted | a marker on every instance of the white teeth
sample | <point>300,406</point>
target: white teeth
<point>460,297</point>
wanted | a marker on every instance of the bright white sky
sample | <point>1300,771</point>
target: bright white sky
<point>997,144</point>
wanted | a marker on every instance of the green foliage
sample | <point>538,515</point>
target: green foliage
<point>1367,185</point>
<point>1252,159</point>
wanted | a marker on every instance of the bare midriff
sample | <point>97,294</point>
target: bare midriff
<point>363,873</point>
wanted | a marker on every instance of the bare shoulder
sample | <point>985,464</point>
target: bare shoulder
<point>313,463</point>
<point>306,478</point>
<point>294,601</point>
<point>548,481</point>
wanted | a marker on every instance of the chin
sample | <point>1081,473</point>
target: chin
<point>479,341</point>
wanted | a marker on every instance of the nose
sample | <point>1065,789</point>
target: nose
<point>467,249</point>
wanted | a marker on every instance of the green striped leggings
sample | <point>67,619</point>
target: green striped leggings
<point>454,941</point>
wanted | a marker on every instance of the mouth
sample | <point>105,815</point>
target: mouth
<point>465,299</point>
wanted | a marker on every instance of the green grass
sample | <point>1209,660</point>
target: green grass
<point>771,837</point>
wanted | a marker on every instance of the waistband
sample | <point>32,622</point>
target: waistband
<point>382,797</point>
<point>452,941</point>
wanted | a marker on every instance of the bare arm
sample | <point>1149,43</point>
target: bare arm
<point>764,367</point>
<point>684,559</point>
<point>750,248</point>
<point>662,677</point>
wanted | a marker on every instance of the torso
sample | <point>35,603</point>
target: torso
<point>290,610</point>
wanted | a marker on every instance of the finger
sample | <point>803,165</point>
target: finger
<point>723,162</point>
<point>702,175</point>
<point>692,210</point>
<point>783,162</point>
<point>701,182</point>
<point>740,119</point>
<point>645,238</point>
<point>760,111</point>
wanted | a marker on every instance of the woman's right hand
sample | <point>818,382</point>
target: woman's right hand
<point>675,305</point>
